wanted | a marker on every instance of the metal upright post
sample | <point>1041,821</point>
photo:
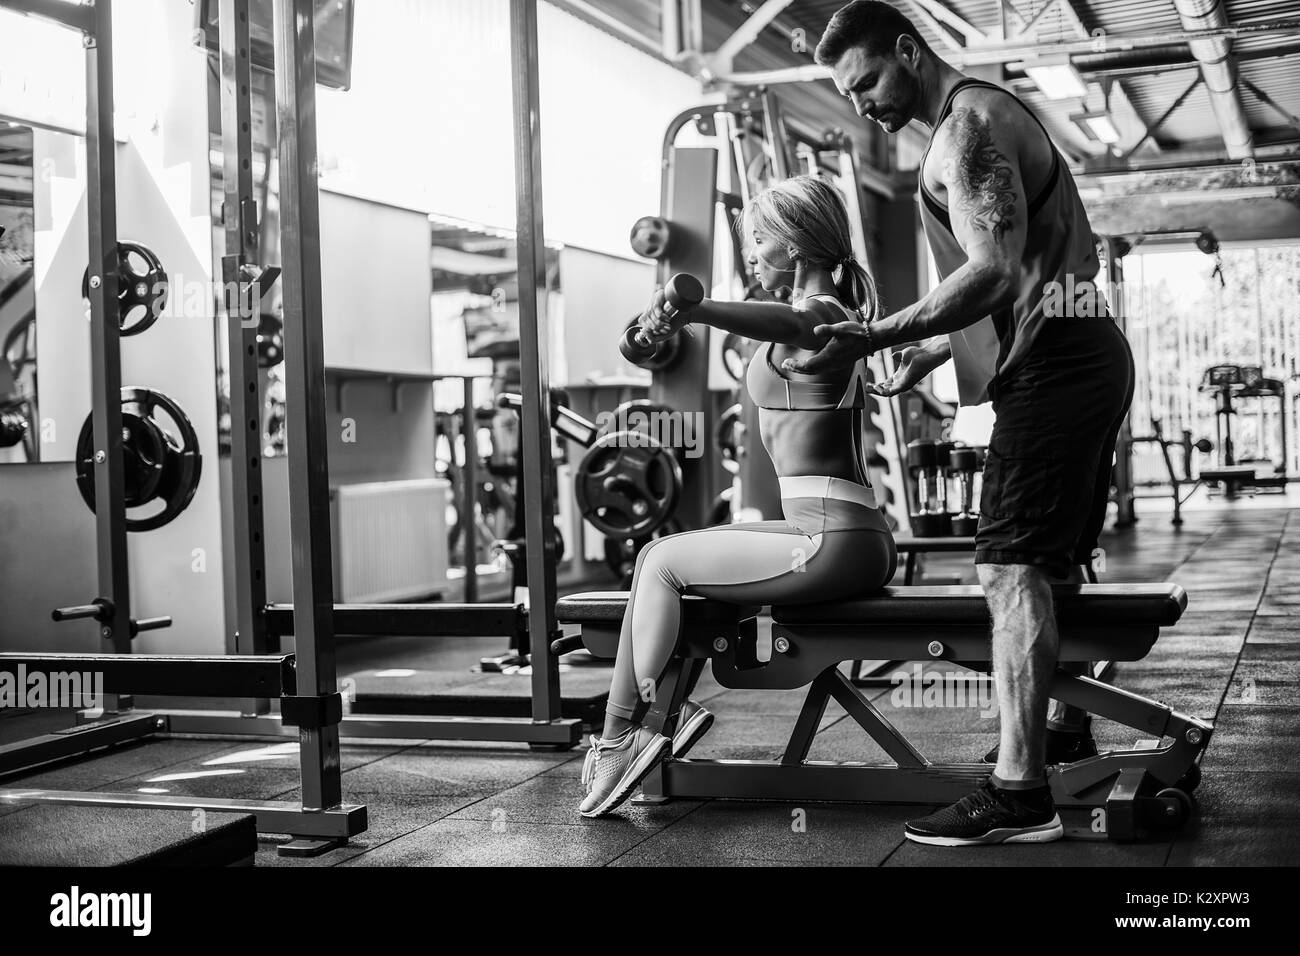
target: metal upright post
<point>535,415</point>
<point>776,134</point>
<point>240,214</point>
<point>105,339</point>
<point>309,505</point>
<point>469,490</point>
<point>1126,514</point>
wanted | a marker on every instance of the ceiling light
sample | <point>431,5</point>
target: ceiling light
<point>1056,77</point>
<point>1099,125</point>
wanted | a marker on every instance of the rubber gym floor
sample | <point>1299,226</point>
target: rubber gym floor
<point>1233,658</point>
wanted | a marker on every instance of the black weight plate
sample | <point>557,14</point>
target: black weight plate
<point>142,287</point>
<point>161,460</point>
<point>628,485</point>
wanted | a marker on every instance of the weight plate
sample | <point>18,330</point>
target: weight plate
<point>142,287</point>
<point>628,485</point>
<point>161,460</point>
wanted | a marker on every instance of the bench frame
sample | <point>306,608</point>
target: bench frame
<point>1131,785</point>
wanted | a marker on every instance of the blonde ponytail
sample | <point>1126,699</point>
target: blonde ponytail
<point>857,289</point>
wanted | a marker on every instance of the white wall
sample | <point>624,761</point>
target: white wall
<point>427,122</point>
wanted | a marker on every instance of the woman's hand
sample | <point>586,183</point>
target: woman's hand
<point>914,364</point>
<point>656,323</point>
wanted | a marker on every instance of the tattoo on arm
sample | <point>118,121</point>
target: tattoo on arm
<point>985,195</point>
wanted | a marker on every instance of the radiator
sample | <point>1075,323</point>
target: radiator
<point>390,540</point>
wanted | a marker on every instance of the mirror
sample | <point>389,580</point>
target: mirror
<point>19,419</point>
<point>475,314</point>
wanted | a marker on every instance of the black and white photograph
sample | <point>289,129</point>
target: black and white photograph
<point>522,435</point>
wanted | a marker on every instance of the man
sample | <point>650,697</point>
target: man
<point>1017,313</point>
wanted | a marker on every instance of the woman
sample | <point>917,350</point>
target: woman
<point>833,544</point>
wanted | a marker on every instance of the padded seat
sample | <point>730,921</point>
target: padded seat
<point>1124,605</point>
<point>603,607</point>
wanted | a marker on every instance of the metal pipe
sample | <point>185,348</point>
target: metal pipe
<point>1219,70</point>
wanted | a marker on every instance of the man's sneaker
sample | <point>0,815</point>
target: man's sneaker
<point>614,769</point>
<point>692,724</point>
<point>1063,746</point>
<point>991,815</point>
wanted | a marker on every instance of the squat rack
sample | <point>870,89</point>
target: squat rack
<point>261,624</point>
<point>305,683</point>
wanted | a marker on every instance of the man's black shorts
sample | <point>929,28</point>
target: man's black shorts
<point>1047,476</point>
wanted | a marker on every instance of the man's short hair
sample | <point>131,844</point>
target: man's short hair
<point>871,24</point>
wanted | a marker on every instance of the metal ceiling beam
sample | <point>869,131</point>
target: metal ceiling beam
<point>1163,116</point>
<point>746,33</point>
<point>1291,118</point>
<point>593,14</point>
<point>1014,52</point>
<point>77,16</point>
<point>1150,62</point>
<point>1117,100</point>
<point>970,33</point>
<point>925,16</point>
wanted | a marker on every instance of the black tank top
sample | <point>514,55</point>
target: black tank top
<point>1060,258</point>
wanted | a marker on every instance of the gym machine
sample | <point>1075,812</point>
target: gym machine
<point>1229,384</point>
<point>1178,477</point>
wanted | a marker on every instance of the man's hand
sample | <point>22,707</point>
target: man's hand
<point>849,341</point>
<point>914,364</point>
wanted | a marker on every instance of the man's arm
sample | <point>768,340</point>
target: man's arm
<point>989,215</point>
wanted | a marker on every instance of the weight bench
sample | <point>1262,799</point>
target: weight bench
<point>1138,788</point>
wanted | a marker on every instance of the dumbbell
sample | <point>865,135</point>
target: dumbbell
<point>963,463</point>
<point>931,518</point>
<point>683,292</point>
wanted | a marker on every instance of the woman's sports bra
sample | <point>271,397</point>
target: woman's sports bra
<point>770,389</point>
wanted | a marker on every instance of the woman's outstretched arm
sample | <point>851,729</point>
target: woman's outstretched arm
<point>762,321</point>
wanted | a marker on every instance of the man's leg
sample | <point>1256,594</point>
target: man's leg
<point>1025,646</point>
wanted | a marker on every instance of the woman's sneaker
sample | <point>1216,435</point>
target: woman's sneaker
<point>991,815</point>
<point>692,724</point>
<point>614,769</point>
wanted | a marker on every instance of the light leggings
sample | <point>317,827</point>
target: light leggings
<point>831,547</point>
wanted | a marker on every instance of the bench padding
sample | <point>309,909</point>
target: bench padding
<point>603,607</point>
<point>1126,605</point>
